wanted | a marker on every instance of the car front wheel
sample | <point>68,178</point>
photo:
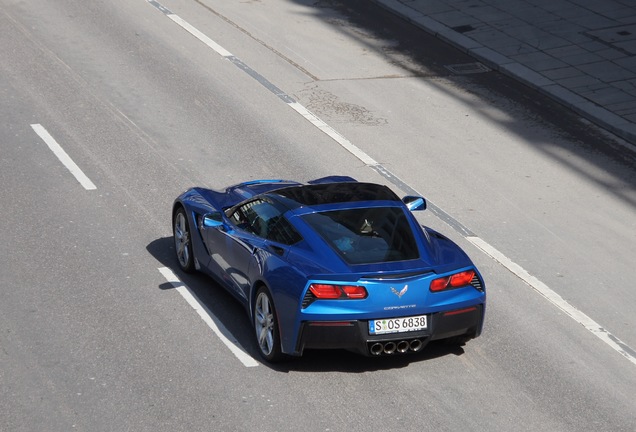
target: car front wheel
<point>266,327</point>
<point>183,241</point>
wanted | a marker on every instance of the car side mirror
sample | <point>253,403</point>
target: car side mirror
<point>414,203</point>
<point>213,220</point>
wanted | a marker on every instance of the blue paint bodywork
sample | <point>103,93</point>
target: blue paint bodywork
<point>242,262</point>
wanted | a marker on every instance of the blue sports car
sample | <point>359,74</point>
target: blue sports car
<point>333,263</point>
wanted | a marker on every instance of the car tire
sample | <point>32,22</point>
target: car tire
<point>266,327</point>
<point>183,241</point>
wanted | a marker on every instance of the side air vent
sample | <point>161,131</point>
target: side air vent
<point>476,282</point>
<point>308,299</point>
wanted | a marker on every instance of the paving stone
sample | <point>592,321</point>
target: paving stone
<point>533,14</point>
<point>610,54</point>
<point>594,21</point>
<point>465,4</point>
<point>573,11</point>
<point>566,51</point>
<point>535,37</point>
<point>561,73</point>
<point>493,38</point>
<point>595,87</point>
<point>454,18</point>
<point>539,61</point>
<point>429,6</point>
<point>576,82</point>
<point>489,14</point>
<point>550,5</point>
<point>500,4</point>
<point>568,29</point>
<point>429,24</point>
<point>627,19</point>
<point>607,96</point>
<point>581,59</point>
<point>629,46</point>
<point>627,86</point>
<point>600,7</point>
<point>628,63</point>
<point>623,108</point>
<point>615,33</point>
<point>515,49</point>
<point>576,38</point>
<point>593,46</point>
<point>606,71</point>
<point>506,24</point>
<point>559,25</point>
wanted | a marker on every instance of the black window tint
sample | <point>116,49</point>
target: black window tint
<point>281,231</point>
<point>265,220</point>
<point>366,235</point>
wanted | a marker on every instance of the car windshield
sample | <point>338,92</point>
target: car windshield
<point>366,235</point>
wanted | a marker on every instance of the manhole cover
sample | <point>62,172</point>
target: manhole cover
<point>468,68</point>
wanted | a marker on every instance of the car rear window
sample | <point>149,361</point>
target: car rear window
<point>366,235</point>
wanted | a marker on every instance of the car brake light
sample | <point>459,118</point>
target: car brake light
<point>440,284</point>
<point>462,279</point>
<point>454,281</point>
<point>355,292</point>
<point>324,291</point>
<point>329,291</point>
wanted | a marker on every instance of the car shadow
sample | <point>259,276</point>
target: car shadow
<point>350,362</point>
<point>235,319</point>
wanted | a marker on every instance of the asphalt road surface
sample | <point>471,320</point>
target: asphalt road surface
<point>110,109</point>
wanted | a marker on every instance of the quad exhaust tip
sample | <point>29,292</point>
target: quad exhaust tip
<point>400,347</point>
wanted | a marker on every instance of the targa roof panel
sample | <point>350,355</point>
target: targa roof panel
<point>331,193</point>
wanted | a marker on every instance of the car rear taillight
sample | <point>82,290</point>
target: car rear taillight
<point>355,292</point>
<point>454,281</point>
<point>330,291</point>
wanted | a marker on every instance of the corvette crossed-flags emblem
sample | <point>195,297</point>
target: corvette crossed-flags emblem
<point>401,292</point>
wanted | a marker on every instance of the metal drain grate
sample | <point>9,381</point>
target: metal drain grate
<point>468,68</point>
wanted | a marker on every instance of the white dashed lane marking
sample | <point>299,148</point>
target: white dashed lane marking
<point>63,157</point>
<point>209,318</point>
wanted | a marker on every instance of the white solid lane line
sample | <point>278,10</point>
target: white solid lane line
<point>549,294</point>
<point>333,134</point>
<point>208,317</point>
<point>63,157</point>
<point>197,34</point>
<point>592,326</point>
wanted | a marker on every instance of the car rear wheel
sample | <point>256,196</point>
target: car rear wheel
<point>182,241</point>
<point>266,327</point>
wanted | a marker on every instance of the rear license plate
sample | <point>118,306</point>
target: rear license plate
<point>398,325</point>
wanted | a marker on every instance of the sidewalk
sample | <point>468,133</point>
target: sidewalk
<point>582,53</point>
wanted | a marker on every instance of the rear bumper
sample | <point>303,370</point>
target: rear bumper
<point>354,335</point>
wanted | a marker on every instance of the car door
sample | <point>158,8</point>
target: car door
<point>233,246</point>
